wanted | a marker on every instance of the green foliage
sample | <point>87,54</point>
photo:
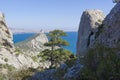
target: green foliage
<point>6,59</point>
<point>70,61</point>
<point>45,55</point>
<point>34,58</point>
<point>7,66</point>
<point>2,77</point>
<point>99,20</point>
<point>18,52</point>
<point>1,45</point>
<point>58,56</point>
<point>55,55</point>
<point>55,38</point>
<point>23,74</point>
<point>101,63</point>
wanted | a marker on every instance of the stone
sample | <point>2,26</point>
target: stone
<point>74,71</point>
<point>90,21</point>
<point>46,75</point>
<point>63,66</point>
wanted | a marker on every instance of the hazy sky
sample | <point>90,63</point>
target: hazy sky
<point>49,14</point>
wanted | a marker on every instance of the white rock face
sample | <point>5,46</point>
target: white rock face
<point>8,55</point>
<point>33,45</point>
<point>6,45</point>
<point>90,21</point>
<point>5,35</point>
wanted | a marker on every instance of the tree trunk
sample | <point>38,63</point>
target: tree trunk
<point>52,51</point>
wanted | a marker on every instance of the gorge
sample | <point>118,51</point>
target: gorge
<point>98,50</point>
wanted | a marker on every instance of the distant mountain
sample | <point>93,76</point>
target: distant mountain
<point>20,30</point>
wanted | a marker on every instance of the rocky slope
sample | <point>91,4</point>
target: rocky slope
<point>90,21</point>
<point>33,45</point>
<point>9,55</point>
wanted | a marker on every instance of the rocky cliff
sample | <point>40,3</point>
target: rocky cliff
<point>90,21</point>
<point>9,55</point>
<point>5,36</point>
<point>31,48</point>
<point>93,29</point>
<point>6,45</point>
<point>109,33</point>
<point>34,44</point>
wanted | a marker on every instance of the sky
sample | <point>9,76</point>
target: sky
<point>49,14</point>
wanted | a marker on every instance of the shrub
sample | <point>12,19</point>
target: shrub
<point>23,74</point>
<point>18,52</point>
<point>71,60</point>
<point>6,59</point>
<point>34,58</point>
<point>59,56</point>
<point>101,63</point>
<point>7,66</point>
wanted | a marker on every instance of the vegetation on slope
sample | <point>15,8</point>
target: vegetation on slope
<point>101,63</point>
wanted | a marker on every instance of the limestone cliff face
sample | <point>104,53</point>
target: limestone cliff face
<point>8,53</point>
<point>34,44</point>
<point>6,45</point>
<point>5,35</point>
<point>110,30</point>
<point>32,47</point>
<point>90,21</point>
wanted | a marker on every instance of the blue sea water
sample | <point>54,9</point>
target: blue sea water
<point>71,38</point>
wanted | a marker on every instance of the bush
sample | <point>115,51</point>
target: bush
<point>34,58</point>
<point>101,63</point>
<point>18,52</point>
<point>7,66</point>
<point>24,74</point>
<point>70,62</point>
<point>59,56</point>
<point>6,59</point>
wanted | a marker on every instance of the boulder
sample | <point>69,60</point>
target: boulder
<point>74,71</point>
<point>46,75</point>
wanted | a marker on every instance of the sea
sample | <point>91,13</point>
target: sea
<point>71,38</point>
